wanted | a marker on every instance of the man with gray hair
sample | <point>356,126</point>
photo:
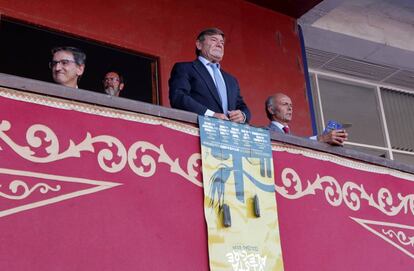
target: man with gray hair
<point>279,110</point>
<point>67,65</point>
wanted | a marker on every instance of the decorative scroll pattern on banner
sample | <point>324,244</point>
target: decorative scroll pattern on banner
<point>354,195</point>
<point>350,194</point>
<point>87,145</point>
<point>18,185</point>
<point>96,110</point>
<point>147,160</point>
<point>398,235</point>
<point>401,237</point>
<point>87,186</point>
<point>341,161</point>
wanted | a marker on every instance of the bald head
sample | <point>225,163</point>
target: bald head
<point>279,108</point>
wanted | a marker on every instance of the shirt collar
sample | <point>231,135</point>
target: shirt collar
<point>279,125</point>
<point>206,62</point>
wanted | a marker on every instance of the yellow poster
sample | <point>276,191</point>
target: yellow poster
<point>239,197</point>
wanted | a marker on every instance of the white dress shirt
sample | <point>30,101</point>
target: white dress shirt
<point>206,63</point>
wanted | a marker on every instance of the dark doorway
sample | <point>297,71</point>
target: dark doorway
<point>25,51</point>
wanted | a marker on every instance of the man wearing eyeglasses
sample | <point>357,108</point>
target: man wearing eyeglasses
<point>68,65</point>
<point>113,83</point>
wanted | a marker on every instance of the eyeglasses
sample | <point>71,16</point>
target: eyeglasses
<point>63,62</point>
<point>112,79</point>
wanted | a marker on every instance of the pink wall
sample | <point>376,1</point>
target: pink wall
<point>167,29</point>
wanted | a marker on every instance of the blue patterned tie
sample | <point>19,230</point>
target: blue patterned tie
<point>221,87</point>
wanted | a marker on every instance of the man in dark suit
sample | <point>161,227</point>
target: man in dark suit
<point>202,87</point>
<point>279,110</point>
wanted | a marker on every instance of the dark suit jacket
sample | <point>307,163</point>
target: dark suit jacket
<point>193,89</point>
<point>272,127</point>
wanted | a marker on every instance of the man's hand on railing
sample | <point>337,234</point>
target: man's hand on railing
<point>237,116</point>
<point>334,137</point>
<point>220,116</point>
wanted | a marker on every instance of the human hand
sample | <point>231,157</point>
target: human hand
<point>236,116</point>
<point>220,116</point>
<point>334,137</point>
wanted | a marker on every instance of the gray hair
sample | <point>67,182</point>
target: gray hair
<point>269,103</point>
<point>78,55</point>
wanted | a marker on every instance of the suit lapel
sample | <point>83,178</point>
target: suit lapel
<point>203,72</point>
<point>274,128</point>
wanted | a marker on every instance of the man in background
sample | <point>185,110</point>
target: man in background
<point>279,110</point>
<point>113,83</point>
<point>67,65</point>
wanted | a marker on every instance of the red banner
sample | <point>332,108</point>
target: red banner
<point>340,214</point>
<point>90,188</point>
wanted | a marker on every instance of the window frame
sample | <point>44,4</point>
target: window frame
<point>316,74</point>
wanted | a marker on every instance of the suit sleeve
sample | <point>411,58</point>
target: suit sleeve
<point>241,105</point>
<point>180,91</point>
